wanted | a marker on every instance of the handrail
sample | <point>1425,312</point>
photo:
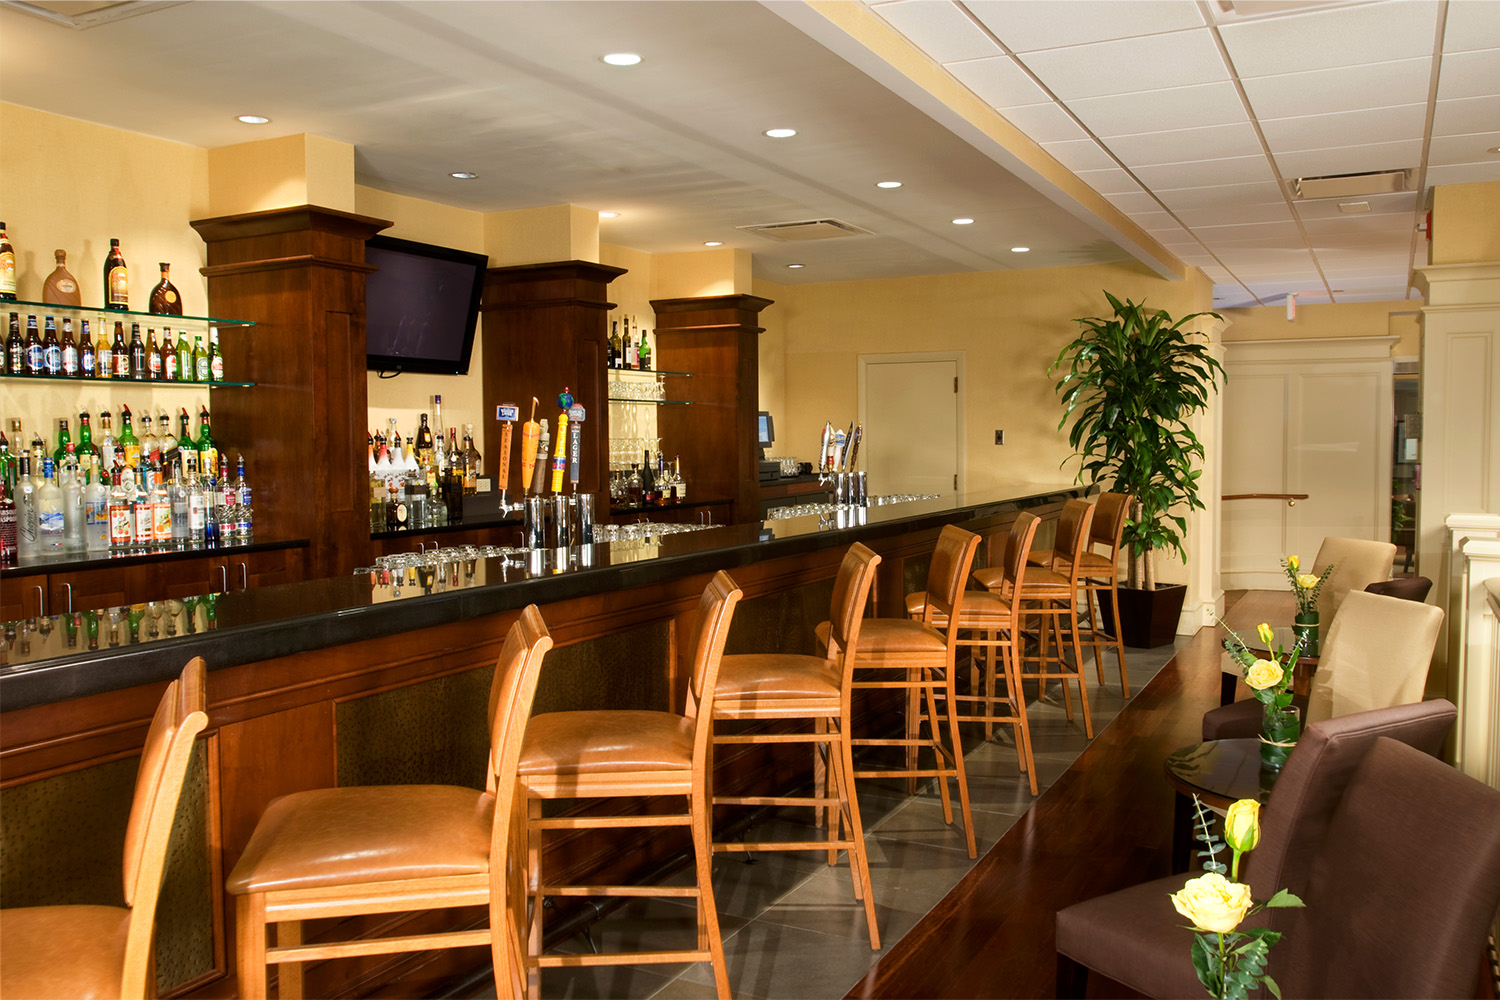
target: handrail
<point>1290,498</point>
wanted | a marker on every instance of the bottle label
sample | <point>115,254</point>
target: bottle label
<point>34,357</point>
<point>169,366</point>
<point>122,364</point>
<point>95,515</point>
<point>216,367</point>
<point>70,360</point>
<point>118,290</point>
<point>86,363</point>
<point>119,524</point>
<point>52,359</point>
<point>169,296</point>
<point>7,273</point>
<point>200,368</point>
<point>141,521</point>
<point>49,519</point>
<point>161,521</point>
<point>154,365</point>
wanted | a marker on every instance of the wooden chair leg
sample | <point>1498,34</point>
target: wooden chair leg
<point>708,914</point>
<point>250,945</point>
<point>1072,979</point>
<point>533,890</point>
<point>289,983</point>
<point>956,743</point>
<point>859,859</point>
<point>935,731</point>
<point>1114,600</point>
<point>1083,694</point>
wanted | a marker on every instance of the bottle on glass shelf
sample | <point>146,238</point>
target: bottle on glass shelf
<point>645,350</point>
<point>161,516</point>
<point>614,344</point>
<point>187,450</point>
<point>9,535</point>
<point>88,357</point>
<point>472,461</point>
<point>96,515</point>
<point>117,510</point>
<point>181,518</point>
<point>104,354</point>
<point>168,356</point>
<point>15,348</point>
<point>129,444</point>
<point>150,445</point>
<point>109,445</point>
<point>215,359</point>
<point>137,354</point>
<point>51,526</point>
<point>72,490</point>
<point>245,522</point>
<point>634,486</point>
<point>116,279</point>
<point>26,513</point>
<point>51,350</point>
<point>120,351</point>
<point>164,298</point>
<point>7,267</point>
<point>154,365</point>
<point>69,349</point>
<point>34,358</point>
<point>678,483</point>
<point>61,288</point>
<point>200,359</point>
<point>141,534</point>
<point>184,358</point>
<point>64,439</point>
<point>632,349</point>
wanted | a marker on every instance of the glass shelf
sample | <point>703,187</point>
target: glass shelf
<point>648,371</point>
<point>122,383</point>
<point>652,402</point>
<point>55,309</point>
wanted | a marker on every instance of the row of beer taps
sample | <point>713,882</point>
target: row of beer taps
<point>840,451</point>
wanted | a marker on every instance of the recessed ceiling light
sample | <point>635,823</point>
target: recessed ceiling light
<point>963,222</point>
<point>463,175</point>
<point>887,184</point>
<point>1493,150</point>
<point>796,265</point>
<point>255,119</point>
<point>1020,249</point>
<point>713,243</point>
<point>609,215</point>
<point>780,133</point>
<point>621,59</point>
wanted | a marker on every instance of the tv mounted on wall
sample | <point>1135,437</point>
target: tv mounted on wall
<point>420,306</point>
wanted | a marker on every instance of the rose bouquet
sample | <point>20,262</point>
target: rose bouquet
<point>1305,586</point>
<point>1270,681</point>
<point>1231,962</point>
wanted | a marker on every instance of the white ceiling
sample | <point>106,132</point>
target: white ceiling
<point>1185,115</point>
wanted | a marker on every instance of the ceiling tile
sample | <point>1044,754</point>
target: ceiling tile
<point>1474,148</point>
<point>1211,142</point>
<point>1351,159</point>
<point>998,81</point>
<point>1257,193</point>
<point>1469,74</point>
<point>1472,25</point>
<point>1024,25</point>
<point>1184,107</point>
<point>1131,202</point>
<point>1462,117</point>
<point>1044,122</point>
<point>1337,36</point>
<point>1109,181</point>
<point>1206,173</point>
<point>1272,234</point>
<point>1130,65</point>
<point>1380,204</point>
<point>1235,214</point>
<point>941,30</point>
<point>1080,154</point>
<point>1342,231</point>
<point>1346,128</point>
<point>1350,88</point>
<point>1464,173</point>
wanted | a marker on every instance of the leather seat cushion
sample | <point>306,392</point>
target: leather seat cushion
<point>377,833</point>
<point>980,608</point>
<point>882,636</point>
<point>1045,584</point>
<point>607,742</point>
<point>1040,557</point>
<point>750,677</point>
<point>1092,564</point>
<point>63,951</point>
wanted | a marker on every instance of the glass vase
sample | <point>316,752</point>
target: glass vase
<point>1279,729</point>
<point>1305,632</point>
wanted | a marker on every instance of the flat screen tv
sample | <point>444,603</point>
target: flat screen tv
<point>420,306</point>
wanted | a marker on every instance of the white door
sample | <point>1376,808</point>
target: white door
<point>1304,416</point>
<point>911,408</point>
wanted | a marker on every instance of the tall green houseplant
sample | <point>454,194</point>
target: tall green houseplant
<point>1133,380</point>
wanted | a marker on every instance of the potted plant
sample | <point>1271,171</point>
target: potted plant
<point>1133,380</point>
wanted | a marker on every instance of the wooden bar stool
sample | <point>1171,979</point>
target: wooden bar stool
<point>107,951</point>
<point>1051,596</point>
<point>918,657</point>
<point>761,686</point>
<point>338,852</point>
<point>619,754</point>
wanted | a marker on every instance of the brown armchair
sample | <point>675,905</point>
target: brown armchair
<point>1346,819</point>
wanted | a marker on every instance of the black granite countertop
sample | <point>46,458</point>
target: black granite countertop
<point>72,561</point>
<point>50,659</point>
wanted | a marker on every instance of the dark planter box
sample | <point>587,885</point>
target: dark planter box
<point>1148,617</point>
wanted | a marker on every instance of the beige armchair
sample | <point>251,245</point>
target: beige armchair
<point>1357,562</point>
<point>1379,649</point>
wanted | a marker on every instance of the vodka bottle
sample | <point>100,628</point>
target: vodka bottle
<point>181,518</point>
<point>197,488</point>
<point>72,490</point>
<point>246,520</point>
<point>96,515</point>
<point>51,525</point>
<point>26,512</point>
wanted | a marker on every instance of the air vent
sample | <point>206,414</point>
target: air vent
<point>1350,185</point>
<point>811,229</point>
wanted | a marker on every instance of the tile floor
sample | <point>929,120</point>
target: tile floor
<point>790,924</point>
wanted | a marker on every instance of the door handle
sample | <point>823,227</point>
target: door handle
<point>70,597</point>
<point>244,576</point>
<point>41,600</point>
<point>223,580</point>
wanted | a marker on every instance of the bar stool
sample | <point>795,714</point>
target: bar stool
<point>77,951</point>
<point>918,657</point>
<point>1100,573</point>
<point>618,754</point>
<point>991,622</point>
<point>1050,596</point>
<point>762,686</point>
<point>338,852</point>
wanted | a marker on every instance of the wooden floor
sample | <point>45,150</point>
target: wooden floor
<point>1104,825</point>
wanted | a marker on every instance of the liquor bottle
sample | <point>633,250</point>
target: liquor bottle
<point>137,354</point>
<point>648,481</point>
<point>88,357</point>
<point>72,490</point>
<point>150,446</point>
<point>9,536</point>
<point>377,495</point>
<point>153,356</point>
<point>26,524</point>
<point>453,479</point>
<point>116,279</point>
<point>471,461</point>
<point>168,356</point>
<point>200,359</point>
<point>161,516</point>
<point>51,349</point>
<point>69,349</point>
<point>614,344</point>
<point>61,288</point>
<point>678,483</point>
<point>64,439</point>
<point>197,488</point>
<point>34,362</point>
<point>215,359</point>
<point>109,447</point>
<point>121,494</point>
<point>51,529</point>
<point>7,471</point>
<point>38,452</point>
<point>7,267</point>
<point>140,516</point>
<point>166,444</point>
<point>181,515</point>
<point>208,451</point>
<point>645,351</point>
<point>15,348</point>
<point>634,487</point>
<point>96,515</point>
<point>187,450</point>
<point>104,355</point>
<point>130,445</point>
<point>184,357</point>
<point>628,359</point>
<point>424,443</point>
<point>88,452</point>
<point>164,298</point>
<point>120,352</point>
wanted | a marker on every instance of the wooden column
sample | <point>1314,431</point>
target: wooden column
<point>299,273</point>
<point>543,331</point>
<point>716,338</point>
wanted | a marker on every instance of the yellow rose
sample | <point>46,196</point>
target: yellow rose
<point>1293,563</point>
<point>1307,581</point>
<point>1265,633</point>
<point>1242,825</point>
<point>1213,903</point>
<point>1263,674</point>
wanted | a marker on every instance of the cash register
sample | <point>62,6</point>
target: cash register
<point>766,436</point>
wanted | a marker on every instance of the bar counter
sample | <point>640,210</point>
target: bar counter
<point>347,682</point>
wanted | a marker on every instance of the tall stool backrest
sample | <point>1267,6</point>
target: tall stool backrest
<point>948,574</point>
<point>180,716</point>
<point>1074,534</point>
<point>1111,511</point>
<point>715,611</point>
<point>851,592</point>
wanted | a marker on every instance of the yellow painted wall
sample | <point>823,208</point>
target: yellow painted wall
<point>1469,230</point>
<point>1351,319</point>
<point>70,185</point>
<point>772,355</point>
<point>281,172</point>
<point>696,273</point>
<point>532,235</point>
